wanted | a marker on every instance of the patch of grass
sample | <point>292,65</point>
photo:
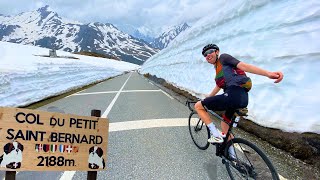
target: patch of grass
<point>146,75</point>
<point>94,54</point>
<point>68,57</point>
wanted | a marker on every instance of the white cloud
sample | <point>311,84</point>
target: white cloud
<point>153,14</point>
<point>39,4</point>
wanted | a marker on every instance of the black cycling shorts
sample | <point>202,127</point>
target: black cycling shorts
<point>234,97</point>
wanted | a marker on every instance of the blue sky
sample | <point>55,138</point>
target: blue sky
<point>153,14</point>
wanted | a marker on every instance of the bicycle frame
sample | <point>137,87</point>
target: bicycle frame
<point>245,168</point>
<point>219,147</point>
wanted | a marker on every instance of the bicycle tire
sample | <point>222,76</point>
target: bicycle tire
<point>244,168</point>
<point>199,131</point>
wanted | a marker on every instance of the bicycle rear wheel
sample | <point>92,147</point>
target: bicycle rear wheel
<point>249,161</point>
<point>199,131</point>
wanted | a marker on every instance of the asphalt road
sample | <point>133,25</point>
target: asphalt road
<point>148,134</point>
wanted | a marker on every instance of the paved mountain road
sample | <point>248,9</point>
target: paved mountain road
<point>148,136</point>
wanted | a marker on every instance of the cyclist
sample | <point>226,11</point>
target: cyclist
<point>231,77</point>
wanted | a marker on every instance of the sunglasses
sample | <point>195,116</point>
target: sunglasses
<point>205,54</point>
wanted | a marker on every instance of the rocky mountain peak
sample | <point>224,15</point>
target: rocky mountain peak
<point>45,28</point>
<point>44,9</point>
<point>166,37</point>
<point>45,12</point>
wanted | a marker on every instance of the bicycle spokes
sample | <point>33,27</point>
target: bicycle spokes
<point>248,163</point>
<point>199,126</point>
<point>243,168</point>
<point>198,131</point>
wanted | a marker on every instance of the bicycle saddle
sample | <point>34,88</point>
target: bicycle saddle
<point>242,111</point>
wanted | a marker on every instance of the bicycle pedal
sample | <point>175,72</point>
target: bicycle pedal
<point>216,143</point>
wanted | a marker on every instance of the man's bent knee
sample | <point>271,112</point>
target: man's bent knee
<point>198,106</point>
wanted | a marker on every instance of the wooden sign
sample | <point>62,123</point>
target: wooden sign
<point>45,141</point>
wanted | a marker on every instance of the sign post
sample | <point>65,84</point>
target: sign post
<point>10,175</point>
<point>33,140</point>
<point>92,175</point>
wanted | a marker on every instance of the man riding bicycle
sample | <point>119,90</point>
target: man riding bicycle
<point>231,77</point>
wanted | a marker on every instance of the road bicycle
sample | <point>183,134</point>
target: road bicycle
<point>248,161</point>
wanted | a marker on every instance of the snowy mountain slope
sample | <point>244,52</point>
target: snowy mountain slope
<point>26,78</point>
<point>146,34</point>
<point>140,35</point>
<point>166,37</point>
<point>142,32</point>
<point>46,29</point>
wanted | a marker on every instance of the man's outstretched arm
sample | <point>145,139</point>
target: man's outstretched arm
<point>256,70</point>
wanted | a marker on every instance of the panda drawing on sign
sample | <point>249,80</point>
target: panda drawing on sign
<point>12,155</point>
<point>96,160</point>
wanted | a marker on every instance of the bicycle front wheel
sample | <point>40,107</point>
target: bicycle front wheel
<point>199,131</point>
<point>248,161</point>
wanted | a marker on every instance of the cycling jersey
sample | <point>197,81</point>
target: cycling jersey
<point>227,73</point>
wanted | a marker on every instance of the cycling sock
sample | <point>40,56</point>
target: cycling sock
<point>213,130</point>
<point>232,153</point>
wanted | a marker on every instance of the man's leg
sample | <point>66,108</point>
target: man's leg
<point>225,127</point>
<point>227,117</point>
<point>203,114</point>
